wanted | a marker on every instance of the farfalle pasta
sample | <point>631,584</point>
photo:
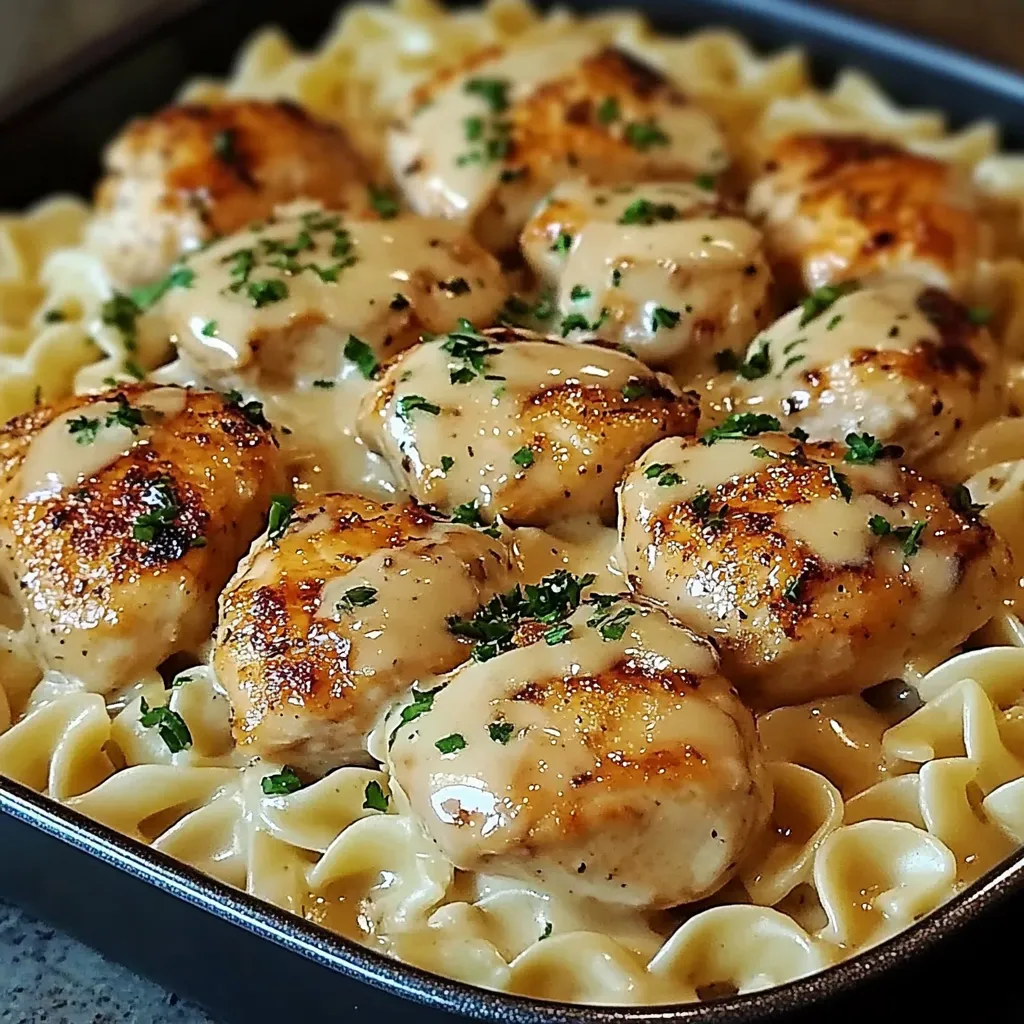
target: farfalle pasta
<point>159,442</point>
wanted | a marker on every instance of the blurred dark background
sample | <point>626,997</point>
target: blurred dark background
<point>36,34</point>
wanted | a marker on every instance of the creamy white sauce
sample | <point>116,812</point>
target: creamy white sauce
<point>61,456</point>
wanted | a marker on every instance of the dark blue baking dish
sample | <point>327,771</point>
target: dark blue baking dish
<point>246,961</point>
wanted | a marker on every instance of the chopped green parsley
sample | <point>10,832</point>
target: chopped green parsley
<point>741,425</point>
<point>356,597</point>
<point>374,797</point>
<point>169,724</point>
<point>281,506</point>
<point>281,784</point>
<point>451,744</point>
<point>357,351</point>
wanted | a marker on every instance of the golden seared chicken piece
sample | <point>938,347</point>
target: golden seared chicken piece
<point>485,141</point>
<point>310,294</point>
<point>667,271</point>
<point>902,361</point>
<point>501,423</point>
<point>121,517</point>
<point>817,569</point>
<point>612,761</point>
<point>192,173</point>
<point>838,207</point>
<point>335,612</point>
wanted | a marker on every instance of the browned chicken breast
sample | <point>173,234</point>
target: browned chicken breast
<point>502,423</point>
<point>817,569</point>
<point>189,174</point>
<point>836,207</point>
<point>485,141</point>
<point>123,514</point>
<point>668,271</point>
<point>902,361</point>
<point>313,294</point>
<point>607,759</point>
<point>335,612</point>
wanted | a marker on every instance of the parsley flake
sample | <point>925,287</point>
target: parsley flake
<point>83,429</point>
<point>608,110</point>
<point>383,202</point>
<point>563,243</point>
<point>794,589</point>
<point>614,628</point>
<point>643,135</point>
<point>280,516</point>
<point>662,317</point>
<point>663,473</point>
<point>822,298</point>
<point>758,364</point>
<point>910,537</point>
<point>879,526</point>
<point>264,293</point>
<point>634,389</point>
<point>841,482</point>
<point>451,744</point>
<point>500,732</point>
<point>169,724</point>
<point>121,312</point>
<point>413,403</point>
<point>960,499</point>
<point>374,797</point>
<point>558,634</point>
<point>700,504</point>
<point>579,292</point>
<point>162,509</point>
<point>523,457</point>
<point>281,784</point>
<point>643,211</point>
<point>357,351</point>
<point>423,701</point>
<point>741,425</point>
<point>356,597</point>
<point>251,410</point>
<point>493,91</point>
<point>148,295</point>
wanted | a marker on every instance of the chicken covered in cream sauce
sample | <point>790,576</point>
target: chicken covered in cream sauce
<point>813,566</point>
<point>602,754</point>
<point>190,174</point>
<point>668,271</point>
<point>902,361</point>
<point>336,611</point>
<point>500,424</point>
<point>123,515</point>
<point>484,142</point>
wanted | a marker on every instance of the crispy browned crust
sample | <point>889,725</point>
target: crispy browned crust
<point>77,551</point>
<point>270,645</point>
<point>234,161</point>
<point>754,559</point>
<point>875,204</point>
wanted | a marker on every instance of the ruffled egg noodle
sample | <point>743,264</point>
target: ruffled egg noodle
<point>833,752</point>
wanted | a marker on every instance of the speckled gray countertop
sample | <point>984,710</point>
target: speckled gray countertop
<point>48,978</point>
